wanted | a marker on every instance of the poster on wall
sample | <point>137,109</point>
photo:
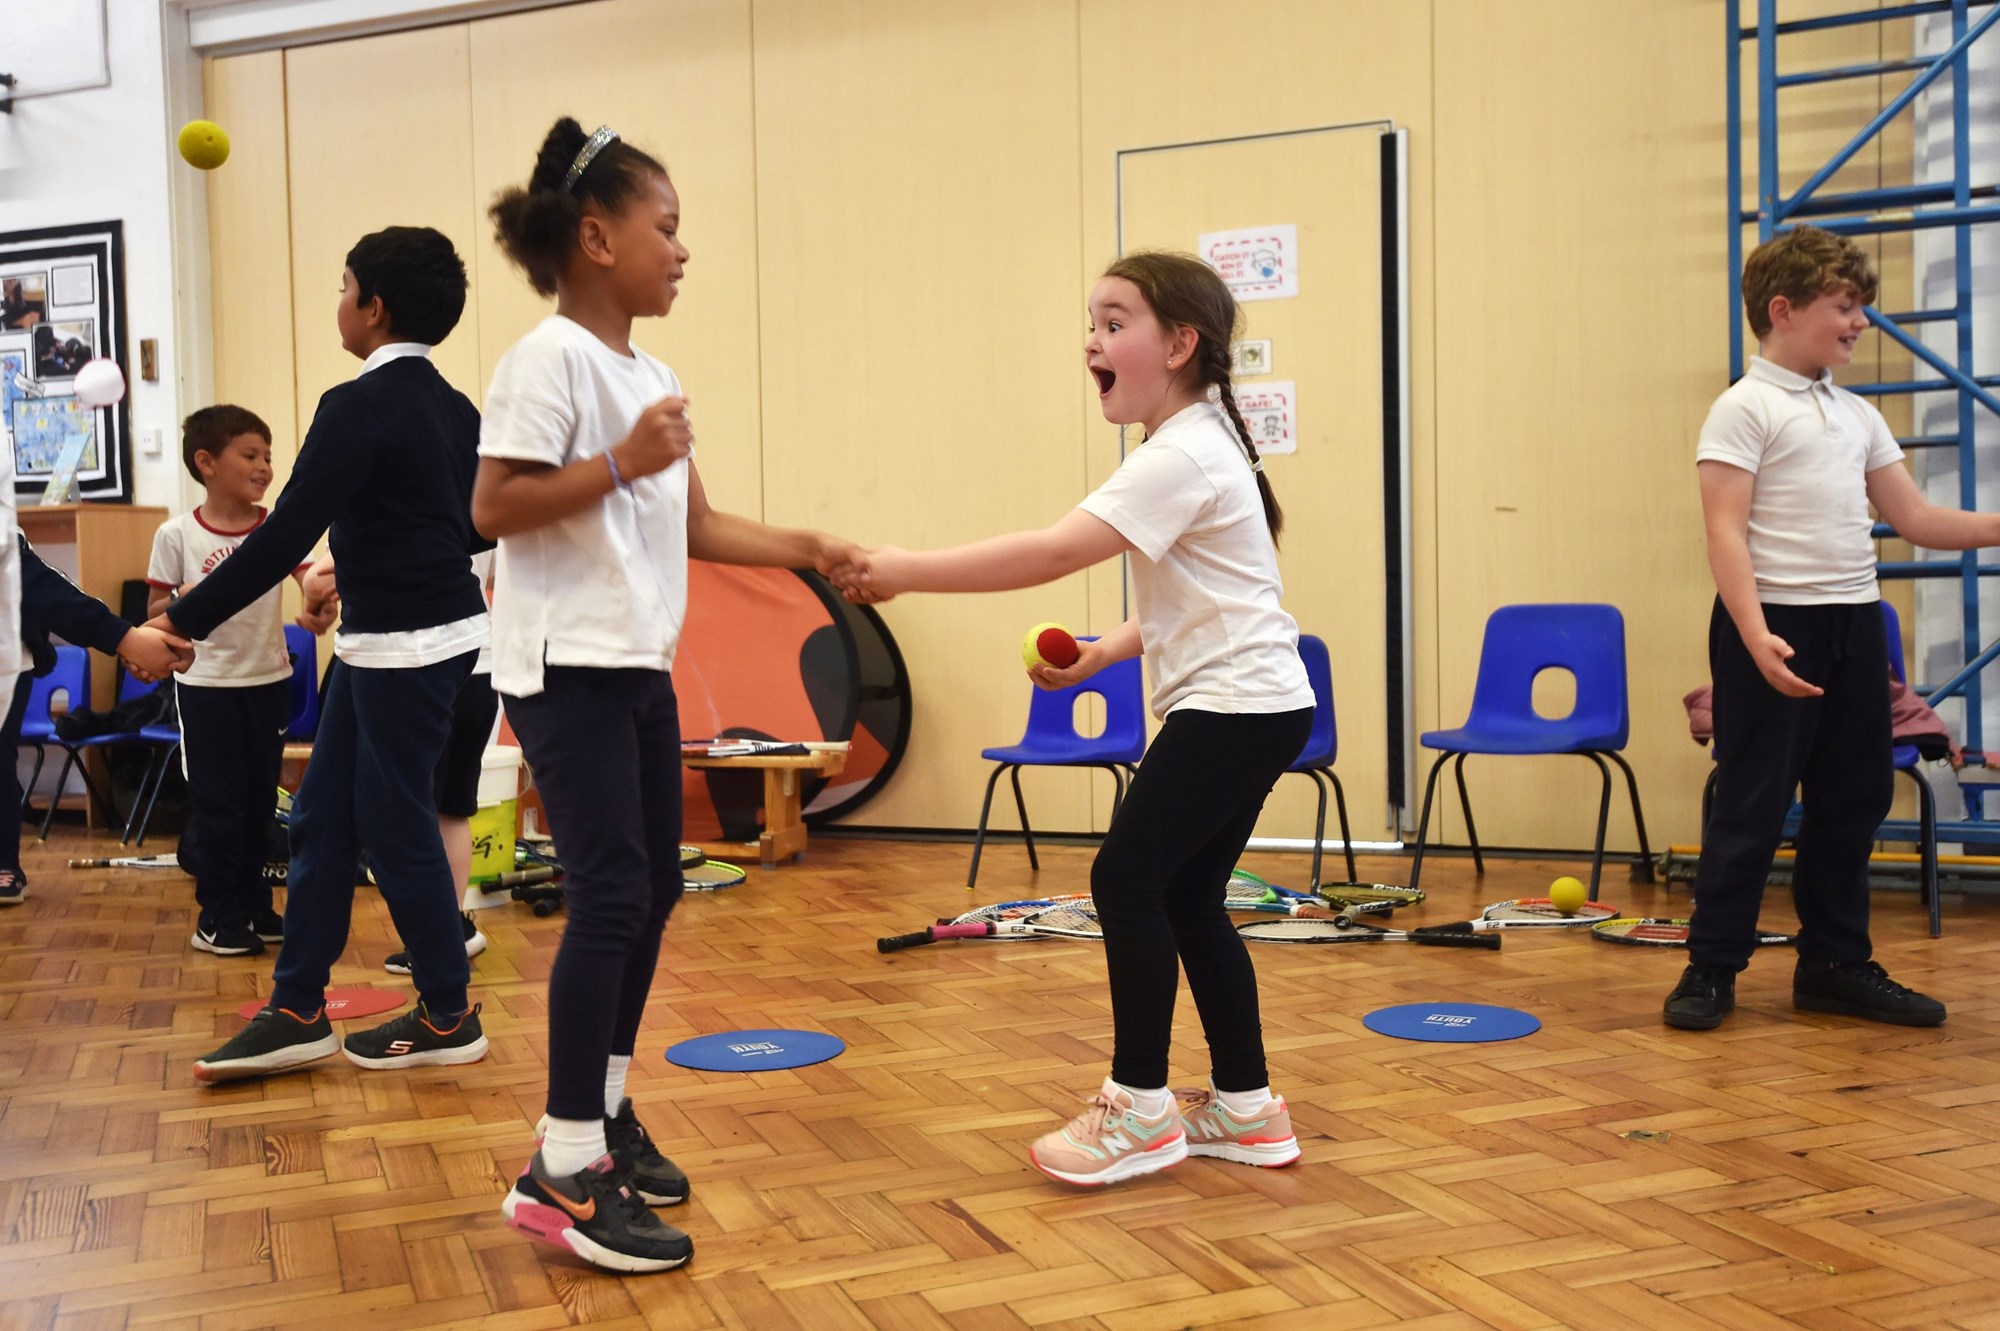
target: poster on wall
<point>1271,413</point>
<point>62,303</point>
<point>1258,262</point>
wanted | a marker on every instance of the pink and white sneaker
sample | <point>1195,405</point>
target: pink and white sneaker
<point>1264,1138</point>
<point>1110,1141</point>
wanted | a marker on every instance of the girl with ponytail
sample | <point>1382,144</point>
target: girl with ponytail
<point>1194,510</point>
<point>587,481</point>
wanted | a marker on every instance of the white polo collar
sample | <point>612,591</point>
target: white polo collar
<point>1773,373</point>
<point>382,355</point>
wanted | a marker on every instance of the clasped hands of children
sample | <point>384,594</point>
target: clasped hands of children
<point>156,648</point>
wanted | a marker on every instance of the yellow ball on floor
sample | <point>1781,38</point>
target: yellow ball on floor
<point>1568,895</point>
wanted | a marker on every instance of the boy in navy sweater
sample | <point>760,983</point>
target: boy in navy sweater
<point>388,466</point>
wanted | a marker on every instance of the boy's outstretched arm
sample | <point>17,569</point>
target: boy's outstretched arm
<point>999,564</point>
<point>725,538</point>
<point>1725,511</point>
<point>1920,522</point>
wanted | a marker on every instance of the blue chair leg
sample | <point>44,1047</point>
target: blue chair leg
<point>1465,803</point>
<point>978,836</point>
<point>1603,822</point>
<point>1319,829</point>
<point>138,801</point>
<point>1027,833</point>
<point>1642,868</point>
<point>1424,820</point>
<point>1346,837</point>
<point>1118,778</point>
<point>152,798</point>
<point>1927,849</point>
<point>55,796</point>
<point>28,790</point>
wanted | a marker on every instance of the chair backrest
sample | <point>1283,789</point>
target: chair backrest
<point>1893,626</point>
<point>70,676</point>
<point>1524,640</point>
<point>1052,712</point>
<point>304,650</point>
<point>1324,740</point>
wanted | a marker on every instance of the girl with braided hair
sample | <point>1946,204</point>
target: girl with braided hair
<point>1193,508</point>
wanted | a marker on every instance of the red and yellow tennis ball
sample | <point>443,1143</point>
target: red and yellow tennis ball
<point>1568,895</point>
<point>203,144</point>
<point>1049,645</point>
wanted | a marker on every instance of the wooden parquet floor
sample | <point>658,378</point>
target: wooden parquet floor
<point>1787,1170</point>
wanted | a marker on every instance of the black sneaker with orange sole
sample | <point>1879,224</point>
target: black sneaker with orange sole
<point>419,1040</point>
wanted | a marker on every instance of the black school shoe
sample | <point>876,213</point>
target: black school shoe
<point>13,887</point>
<point>593,1215</point>
<point>650,1174</point>
<point>1861,989</point>
<point>1705,995</point>
<point>268,925</point>
<point>413,1040</point>
<point>275,1039</point>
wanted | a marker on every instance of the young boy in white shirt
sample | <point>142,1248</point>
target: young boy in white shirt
<point>1789,465</point>
<point>235,700</point>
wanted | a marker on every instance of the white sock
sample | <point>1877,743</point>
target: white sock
<point>1241,1104</point>
<point>571,1145</point>
<point>1150,1103</point>
<point>614,1083</point>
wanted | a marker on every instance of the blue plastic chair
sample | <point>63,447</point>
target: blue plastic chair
<point>1903,758</point>
<point>1521,642</point>
<point>303,648</point>
<point>165,741</point>
<point>1052,741</point>
<point>1316,759</point>
<point>68,679</point>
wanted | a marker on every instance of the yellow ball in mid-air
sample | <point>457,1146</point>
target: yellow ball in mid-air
<point>1568,895</point>
<point>204,144</point>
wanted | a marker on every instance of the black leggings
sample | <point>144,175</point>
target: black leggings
<point>1158,883</point>
<point>605,746</point>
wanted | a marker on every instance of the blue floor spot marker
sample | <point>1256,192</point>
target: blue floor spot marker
<point>1452,1023</point>
<point>755,1051</point>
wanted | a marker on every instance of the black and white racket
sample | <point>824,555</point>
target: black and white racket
<point>1014,919</point>
<point>1353,931</point>
<point>1527,913</point>
<point>1650,932</point>
<point>1246,891</point>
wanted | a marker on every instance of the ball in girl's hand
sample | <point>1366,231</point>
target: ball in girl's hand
<point>1568,895</point>
<point>1049,645</point>
<point>203,144</point>
<point>99,383</point>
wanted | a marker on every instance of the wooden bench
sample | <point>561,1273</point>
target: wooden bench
<point>784,834</point>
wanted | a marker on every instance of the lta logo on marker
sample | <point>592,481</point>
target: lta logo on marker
<point>1446,1019</point>
<point>765,1047</point>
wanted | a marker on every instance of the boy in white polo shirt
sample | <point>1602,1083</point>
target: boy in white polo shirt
<point>1789,465</point>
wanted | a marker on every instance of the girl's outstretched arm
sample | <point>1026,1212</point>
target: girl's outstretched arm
<point>999,564</point>
<point>725,538</point>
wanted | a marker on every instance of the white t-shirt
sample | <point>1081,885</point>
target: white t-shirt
<point>1811,446</point>
<point>1207,573</point>
<point>606,586</point>
<point>245,650</point>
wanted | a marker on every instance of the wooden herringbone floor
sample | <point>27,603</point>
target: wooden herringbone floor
<point>1787,1170</point>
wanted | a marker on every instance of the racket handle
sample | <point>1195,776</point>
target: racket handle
<point>1446,938</point>
<point>901,941</point>
<point>1458,927</point>
<point>540,874</point>
<point>90,864</point>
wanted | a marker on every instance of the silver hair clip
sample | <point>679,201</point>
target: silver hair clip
<point>604,136</point>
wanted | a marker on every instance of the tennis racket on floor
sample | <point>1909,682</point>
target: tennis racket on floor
<point>166,861</point>
<point>1012,919</point>
<point>1649,932</point>
<point>706,875</point>
<point>1527,913</point>
<point>691,856</point>
<point>1352,931</point>
<point>1246,891</point>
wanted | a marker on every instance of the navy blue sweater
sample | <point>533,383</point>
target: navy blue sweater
<point>388,466</point>
<point>51,603</point>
